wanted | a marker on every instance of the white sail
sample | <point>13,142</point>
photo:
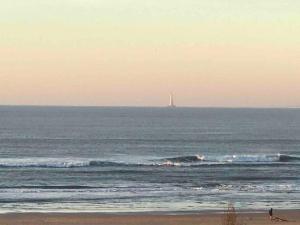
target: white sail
<point>171,103</point>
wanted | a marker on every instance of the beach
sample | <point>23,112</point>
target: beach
<point>260,218</point>
<point>149,112</point>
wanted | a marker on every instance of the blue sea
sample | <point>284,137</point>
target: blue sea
<point>118,159</point>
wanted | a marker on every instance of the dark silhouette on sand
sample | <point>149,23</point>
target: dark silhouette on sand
<point>275,218</point>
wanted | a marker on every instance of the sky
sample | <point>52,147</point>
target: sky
<point>215,53</point>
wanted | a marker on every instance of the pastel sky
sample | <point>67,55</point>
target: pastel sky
<point>134,52</point>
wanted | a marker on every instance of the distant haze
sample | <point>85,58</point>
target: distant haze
<point>131,52</point>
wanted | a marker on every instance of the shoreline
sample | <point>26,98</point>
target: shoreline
<point>205,218</point>
<point>155,213</point>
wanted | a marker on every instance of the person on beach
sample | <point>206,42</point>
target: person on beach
<point>277,219</point>
<point>271,213</point>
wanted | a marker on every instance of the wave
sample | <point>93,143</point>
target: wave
<point>261,158</point>
<point>196,160</point>
<point>243,159</point>
<point>57,163</point>
<point>187,159</point>
<point>44,162</point>
<point>288,158</point>
<point>236,158</point>
<point>50,187</point>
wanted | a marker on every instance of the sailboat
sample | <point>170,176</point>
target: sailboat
<point>171,103</point>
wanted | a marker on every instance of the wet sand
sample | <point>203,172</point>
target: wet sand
<point>143,219</point>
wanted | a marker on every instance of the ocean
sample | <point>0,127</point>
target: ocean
<point>122,160</point>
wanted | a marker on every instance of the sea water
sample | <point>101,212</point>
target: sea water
<point>110,159</point>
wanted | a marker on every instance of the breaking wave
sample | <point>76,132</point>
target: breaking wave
<point>288,158</point>
<point>57,163</point>
<point>197,160</point>
<point>187,159</point>
<point>259,158</point>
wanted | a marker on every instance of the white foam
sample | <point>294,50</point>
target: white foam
<point>44,162</point>
<point>248,158</point>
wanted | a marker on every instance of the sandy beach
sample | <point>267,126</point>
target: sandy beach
<point>143,219</point>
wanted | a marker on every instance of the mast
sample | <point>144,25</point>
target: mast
<point>171,103</point>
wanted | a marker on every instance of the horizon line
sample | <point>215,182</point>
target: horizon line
<point>133,106</point>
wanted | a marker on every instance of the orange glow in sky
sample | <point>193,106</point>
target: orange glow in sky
<point>129,52</point>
